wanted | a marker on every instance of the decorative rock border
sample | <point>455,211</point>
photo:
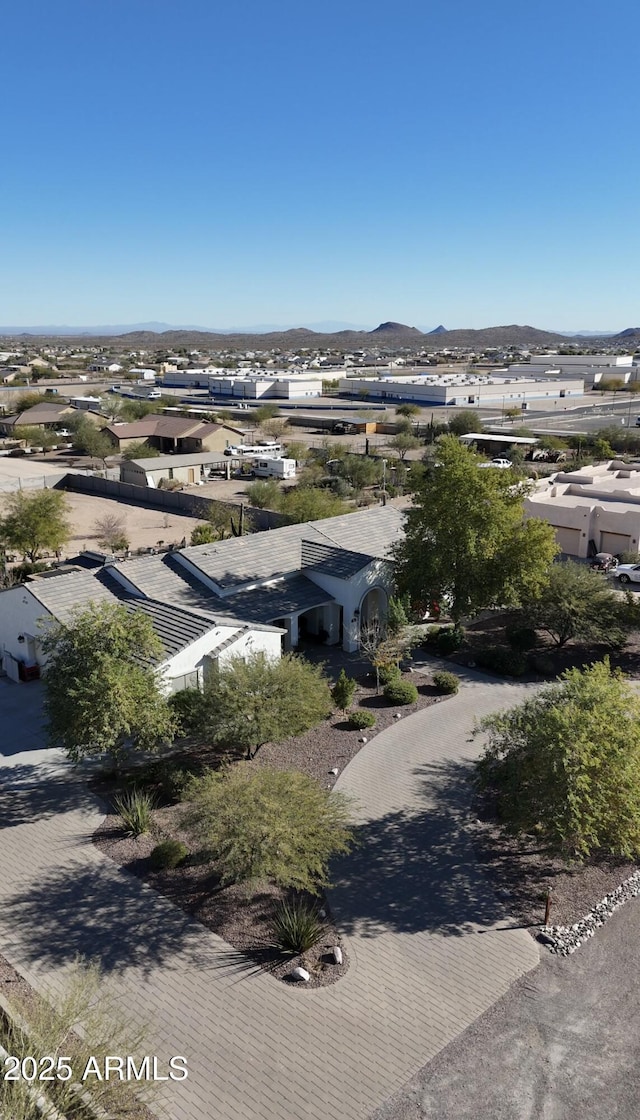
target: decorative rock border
<point>566,939</point>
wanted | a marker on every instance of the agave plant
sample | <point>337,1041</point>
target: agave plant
<point>135,809</point>
<point>297,927</point>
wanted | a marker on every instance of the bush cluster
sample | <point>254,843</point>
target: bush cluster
<point>505,662</point>
<point>521,638</point>
<point>170,853</point>
<point>400,692</point>
<point>359,720</point>
<point>446,683</point>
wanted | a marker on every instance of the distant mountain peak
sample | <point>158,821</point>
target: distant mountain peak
<point>439,330</point>
<point>395,328</point>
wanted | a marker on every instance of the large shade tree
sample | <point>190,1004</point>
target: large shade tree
<point>565,764</point>
<point>35,523</point>
<point>102,693</point>
<point>256,699</point>
<point>467,539</point>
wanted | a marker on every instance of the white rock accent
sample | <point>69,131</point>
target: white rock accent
<point>337,954</point>
<point>334,770</point>
<point>566,939</point>
<point>299,973</point>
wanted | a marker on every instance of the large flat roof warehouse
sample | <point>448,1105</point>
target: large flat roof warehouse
<point>460,389</point>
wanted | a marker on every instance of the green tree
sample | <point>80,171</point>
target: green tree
<point>397,614</point>
<point>577,604</point>
<point>204,533</point>
<point>257,699</point>
<point>90,441</point>
<point>35,437</point>
<point>102,694</point>
<point>310,504</point>
<point>141,449</point>
<point>464,422</point>
<point>35,523</point>
<point>403,443</point>
<point>359,470</point>
<point>298,451</point>
<point>266,824</point>
<point>565,764</point>
<point>466,539</point>
<point>409,411</point>
<point>264,494</point>
<point>343,691</point>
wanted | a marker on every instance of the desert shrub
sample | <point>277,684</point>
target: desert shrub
<point>389,673</point>
<point>505,662</point>
<point>400,692</point>
<point>446,683</point>
<point>343,691</point>
<point>297,927</point>
<point>431,637</point>
<point>449,639</point>
<point>360,719</point>
<point>521,638</point>
<point>542,664</point>
<point>135,809</point>
<point>188,706</point>
<point>264,823</point>
<point>170,853</point>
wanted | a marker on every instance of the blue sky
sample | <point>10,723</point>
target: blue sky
<point>226,164</point>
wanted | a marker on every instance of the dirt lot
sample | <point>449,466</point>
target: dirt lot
<point>145,528</point>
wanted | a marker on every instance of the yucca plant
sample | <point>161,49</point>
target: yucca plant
<point>135,809</point>
<point>297,927</point>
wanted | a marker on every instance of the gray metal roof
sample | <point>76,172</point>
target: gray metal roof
<point>278,600</point>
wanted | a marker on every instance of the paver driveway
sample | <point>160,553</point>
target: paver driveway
<point>430,947</point>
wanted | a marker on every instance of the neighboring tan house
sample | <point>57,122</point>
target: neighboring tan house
<point>592,509</point>
<point>194,642</point>
<point>189,469</point>
<point>174,434</point>
<point>46,415</point>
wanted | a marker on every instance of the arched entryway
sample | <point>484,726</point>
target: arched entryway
<point>373,607</point>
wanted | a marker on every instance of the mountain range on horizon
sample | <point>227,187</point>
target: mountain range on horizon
<point>391,332</point>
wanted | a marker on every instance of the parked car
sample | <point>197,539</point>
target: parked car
<point>628,573</point>
<point>501,464</point>
<point>604,562</point>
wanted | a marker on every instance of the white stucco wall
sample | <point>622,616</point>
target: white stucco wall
<point>350,593</point>
<point>192,658</point>
<point>21,613</point>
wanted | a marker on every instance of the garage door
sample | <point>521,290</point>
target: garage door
<point>615,542</point>
<point>568,539</point>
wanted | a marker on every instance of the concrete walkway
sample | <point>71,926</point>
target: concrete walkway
<point>430,947</point>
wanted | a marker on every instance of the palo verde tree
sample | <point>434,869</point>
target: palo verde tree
<point>102,694</point>
<point>565,764</point>
<point>578,604</point>
<point>35,523</point>
<point>267,824</point>
<point>256,699</point>
<point>467,540</point>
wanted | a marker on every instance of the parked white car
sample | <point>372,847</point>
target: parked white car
<point>627,573</point>
<point>502,464</point>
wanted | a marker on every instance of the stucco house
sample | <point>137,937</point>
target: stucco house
<point>189,469</point>
<point>174,434</point>
<point>318,582</point>
<point>193,641</point>
<point>592,509</point>
<point>48,414</point>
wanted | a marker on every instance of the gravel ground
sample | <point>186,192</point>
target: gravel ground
<point>562,1044</point>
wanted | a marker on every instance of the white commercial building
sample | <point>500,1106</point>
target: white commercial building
<point>461,389</point>
<point>593,368</point>
<point>256,387</point>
